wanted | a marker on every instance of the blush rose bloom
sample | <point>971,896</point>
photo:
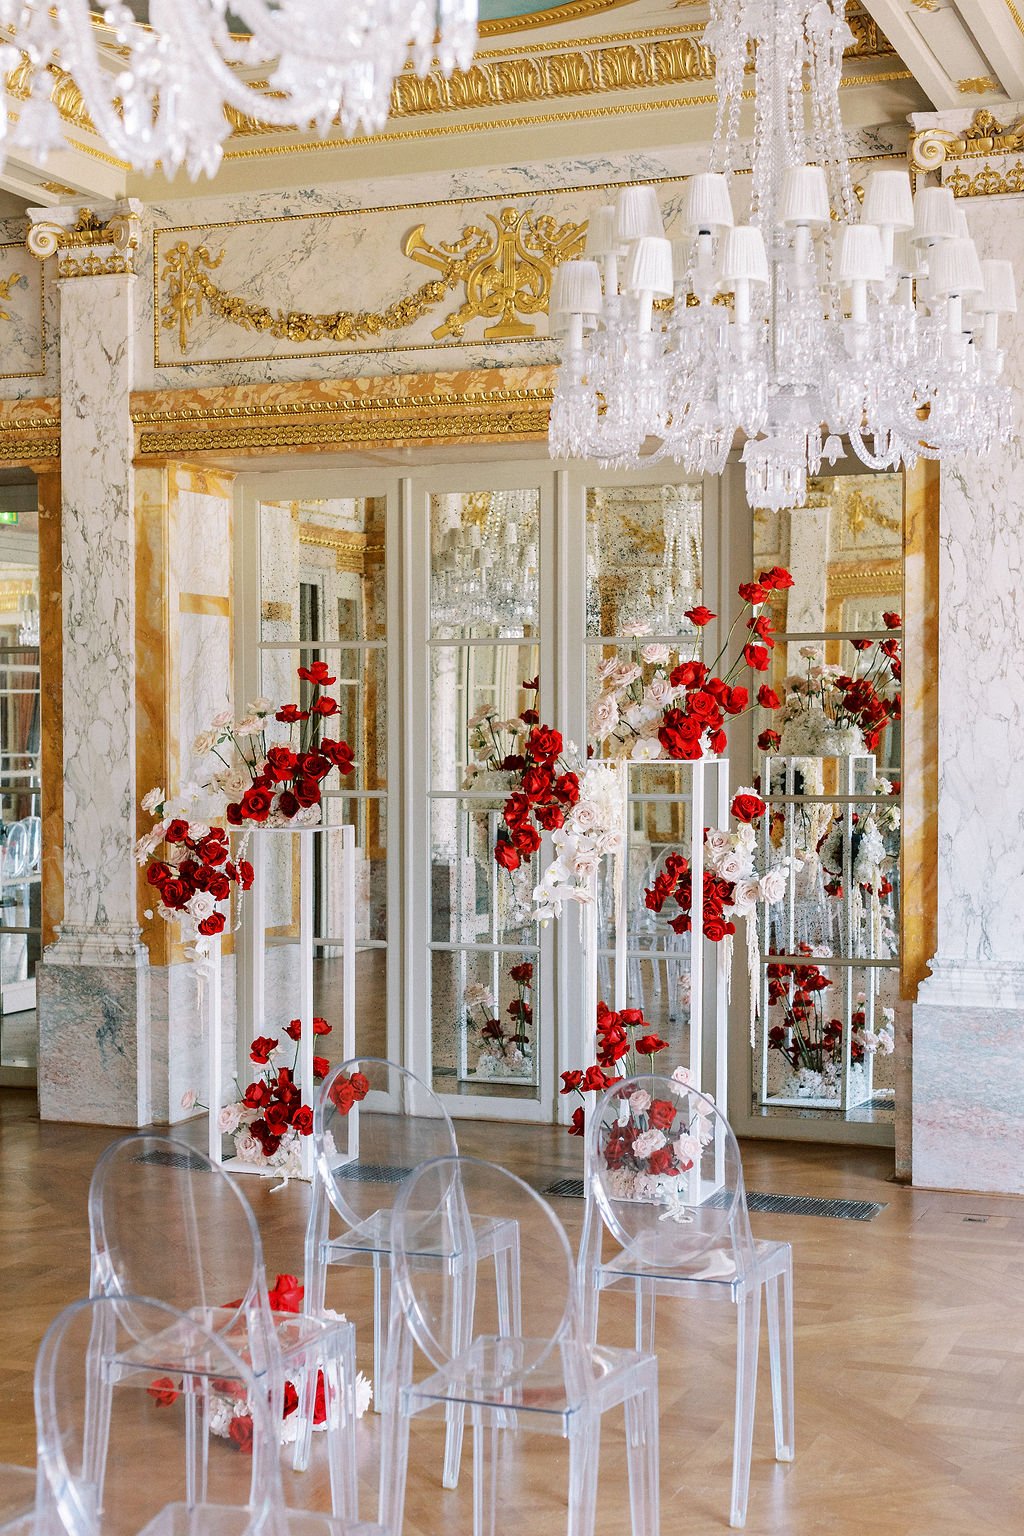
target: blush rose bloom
<point>656,654</point>
<point>640,1101</point>
<point>648,1142</point>
<point>773,886</point>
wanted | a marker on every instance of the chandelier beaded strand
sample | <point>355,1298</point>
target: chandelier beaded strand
<point>156,93</point>
<point>797,328</point>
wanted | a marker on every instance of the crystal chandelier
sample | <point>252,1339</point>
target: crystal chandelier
<point>156,93</point>
<point>800,327</point>
<point>485,571</point>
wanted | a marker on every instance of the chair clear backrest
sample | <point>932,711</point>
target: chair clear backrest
<point>134,1437</point>
<point>664,1168</point>
<point>447,1293</point>
<point>165,1221</point>
<point>373,1123</point>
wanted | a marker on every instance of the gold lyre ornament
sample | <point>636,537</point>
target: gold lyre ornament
<point>507,273</point>
<point>16,280</point>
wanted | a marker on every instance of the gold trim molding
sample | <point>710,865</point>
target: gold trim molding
<point>988,182</point>
<point>109,242</point>
<point>558,15</point>
<point>984,135</point>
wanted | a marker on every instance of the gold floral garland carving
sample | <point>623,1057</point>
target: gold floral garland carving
<point>15,280</point>
<point>988,182</point>
<point>507,275</point>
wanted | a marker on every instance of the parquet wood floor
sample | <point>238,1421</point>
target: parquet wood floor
<point>909,1349</point>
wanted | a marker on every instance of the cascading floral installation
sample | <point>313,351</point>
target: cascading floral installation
<point>269,1119</point>
<point>228,1411</point>
<point>649,709</point>
<point>811,1042</point>
<point>194,877</point>
<point>827,710</point>
<point>268,781</point>
<point>623,1038</point>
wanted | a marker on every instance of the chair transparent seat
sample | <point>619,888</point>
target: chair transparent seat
<point>164,1220</point>
<point>365,1147</point>
<point>119,1464</point>
<point>683,1231</point>
<point>537,1374</point>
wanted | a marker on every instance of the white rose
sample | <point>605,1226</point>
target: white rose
<point>487,713</point>
<point>746,896</point>
<point>682,1077</point>
<point>686,1149</point>
<point>611,842</point>
<point>659,691</point>
<point>746,837</point>
<point>201,905</point>
<point>604,716</point>
<point>153,801</point>
<point>477,995</point>
<point>656,654</point>
<point>189,1099</point>
<point>252,725</point>
<point>640,1101</point>
<point>229,1119</point>
<point>262,706</point>
<point>364,1394</point>
<point>622,675</point>
<point>607,667</point>
<point>222,719</point>
<point>733,865</point>
<point>635,631</point>
<point>204,743</point>
<point>648,1142</point>
<point>774,886</point>
<point>585,816</point>
<point>886,1043</point>
<point>585,865</point>
<point>717,842</point>
<point>198,830</point>
<point>247,1147</point>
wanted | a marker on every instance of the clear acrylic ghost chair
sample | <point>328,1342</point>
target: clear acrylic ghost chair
<point>364,1149</point>
<point>541,1375</point>
<point>686,1234</point>
<point>117,1464</point>
<point>165,1221</point>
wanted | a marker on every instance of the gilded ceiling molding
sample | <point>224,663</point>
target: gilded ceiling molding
<point>558,15</point>
<point>100,245</point>
<point>984,136</point>
<point>988,182</point>
<point>30,433</point>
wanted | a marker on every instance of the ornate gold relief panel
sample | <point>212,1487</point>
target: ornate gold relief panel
<point>22,317</point>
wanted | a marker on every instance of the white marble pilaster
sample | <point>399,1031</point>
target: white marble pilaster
<point>93,982</point>
<point>968,1024</point>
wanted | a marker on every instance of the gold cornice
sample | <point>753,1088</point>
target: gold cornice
<point>983,136</point>
<point>27,437</point>
<point>988,182</point>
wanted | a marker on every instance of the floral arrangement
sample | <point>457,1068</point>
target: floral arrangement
<point>653,1142</point>
<point>622,1037</point>
<point>269,781</point>
<point>809,1041</point>
<point>497,745</point>
<point>543,787</point>
<point>195,875</point>
<point>503,1052</point>
<point>828,711</point>
<point>229,1413</point>
<point>269,1119</point>
<point>593,828</point>
<point>649,708</point>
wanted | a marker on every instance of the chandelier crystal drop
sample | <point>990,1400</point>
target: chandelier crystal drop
<point>815,320</point>
<point>486,572</point>
<point>157,92</point>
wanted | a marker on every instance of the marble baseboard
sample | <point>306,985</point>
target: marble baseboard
<point>93,1044</point>
<point>968,1129</point>
<point>178,1040</point>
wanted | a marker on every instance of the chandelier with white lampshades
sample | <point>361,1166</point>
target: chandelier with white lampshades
<point>812,322</point>
<point>155,78</point>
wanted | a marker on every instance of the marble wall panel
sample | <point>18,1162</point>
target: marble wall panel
<point>968,1124</point>
<point>93,1044</point>
<point>178,1037</point>
<point>29,344</point>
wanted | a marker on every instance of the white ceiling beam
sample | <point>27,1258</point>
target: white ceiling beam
<point>895,17</point>
<point>1000,38</point>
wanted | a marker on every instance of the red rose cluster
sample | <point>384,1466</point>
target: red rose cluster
<point>201,864</point>
<point>289,779</point>
<point>804,1037</point>
<point>676,880</point>
<point>619,1147</point>
<point>275,1095</point>
<point>346,1091</point>
<point>697,723</point>
<point>544,790</point>
<point>621,1037</point>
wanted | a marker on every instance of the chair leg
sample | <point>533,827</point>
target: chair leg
<point>584,1458</point>
<point>455,1414</point>
<point>780,1352</point>
<point>485,1477</point>
<point>748,1328</point>
<point>642,1458</point>
<point>306,1390</point>
<point>394,1436</point>
<point>379,1328</point>
<point>339,1381</point>
<point>646,1305</point>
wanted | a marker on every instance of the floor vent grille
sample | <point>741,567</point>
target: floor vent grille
<point>761,1204</point>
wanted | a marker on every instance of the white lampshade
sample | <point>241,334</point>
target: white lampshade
<point>904,254</point>
<point>804,197</point>
<point>860,255</point>
<point>649,269</point>
<point>576,289</point>
<point>706,203</point>
<point>999,295</point>
<point>888,200</point>
<point>744,257</point>
<point>934,216</point>
<point>637,214</point>
<point>955,269</point>
<point>601,237</point>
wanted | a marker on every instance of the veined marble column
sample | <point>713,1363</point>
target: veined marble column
<point>93,981</point>
<point>968,1028</point>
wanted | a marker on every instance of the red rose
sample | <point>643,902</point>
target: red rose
<point>699,616</point>
<point>325,706</point>
<point>516,810</point>
<point>240,1433</point>
<point>523,973</point>
<point>294,1029</point>
<point>360,1085</point>
<point>769,741</point>
<point>302,1120</point>
<point>177,832</point>
<point>689,674</point>
<point>158,872</point>
<point>761,627</point>
<point>660,1161</point>
<point>212,851</point>
<point>256,1096</point>
<point>261,1049</point>
<point>291,1399</point>
<point>307,792</point>
<point>280,763</point>
<point>594,1080</point>
<point>212,924</point>
<point>753,592</point>
<point>312,765</point>
<point>337,752</point>
<point>756,656</point>
<point>321,1067</point>
<point>245,874</point>
<point>317,673</point>
<point>269,1143</point>
<point>735,700</point>
<point>163,1391</point>
<point>320,1400</point>
<point>892,620</point>
<point>748,807</point>
<point>321,1026</point>
<point>632,1017</point>
<point>291,714</point>
<point>506,856</point>
<point>255,803</point>
<point>526,839</point>
<point>862,645</point>
<point>571,1081</point>
<point>342,1095</point>
<point>544,744</point>
<point>276,1117</point>
<point>649,1045</point>
<point>175,893</point>
<point>537,782</point>
<point>233,814</point>
<point>682,748</point>
<point>577,1126</point>
<point>718,742</point>
<point>219,887</point>
<point>550,817</point>
<point>777,579</point>
<point>768,698</point>
<point>661,1114</point>
<point>716,928</point>
<point>567,788</point>
<point>702,705</point>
